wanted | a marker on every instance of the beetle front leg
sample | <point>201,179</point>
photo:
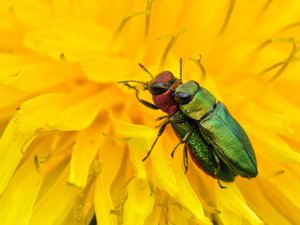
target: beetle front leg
<point>144,102</point>
<point>160,132</point>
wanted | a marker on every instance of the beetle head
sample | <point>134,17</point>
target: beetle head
<point>185,92</point>
<point>162,87</point>
<point>161,83</point>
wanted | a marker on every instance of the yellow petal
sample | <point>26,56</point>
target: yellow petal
<point>78,117</point>
<point>139,203</point>
<point>154,217</point>
<point>13,144</point>
<point>282,194</point>
<point>85,149</point>
<point>61,192</point>
<point>61,111</point>
<point>233,207</point>
<point>272,146</point>
<point>74,38</point>
<point>267,119</point>
<point>110,157</point>
<point>10,96</point>
<point>49,110</point>
<point>53,75</point>
<point>265,209</point>
<point>103,204</point>
<point>282,105</point>
<point>85,34</point>
<point>11,41</point>
<point>11,64</point>
<point>32,13</point>
<point>139,138</point>
<point>187,198</point>
<point>17,202</point>
<point>175,215</point>
<point>140,200</point>
<point>104,69</point>
<point>162,172</point>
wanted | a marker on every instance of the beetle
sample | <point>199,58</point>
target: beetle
<point>226,136</point>
<point>162,87</point>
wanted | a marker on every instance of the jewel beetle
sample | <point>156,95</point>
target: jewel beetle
<point>162,88</point>
<point>220,130</point>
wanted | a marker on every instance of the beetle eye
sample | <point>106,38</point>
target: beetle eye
<point>157,88</point>
<point>183,97</point>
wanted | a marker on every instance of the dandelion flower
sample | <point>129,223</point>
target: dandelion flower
<point>73,140</point>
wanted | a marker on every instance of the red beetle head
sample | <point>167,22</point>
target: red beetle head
<point>162,87</point>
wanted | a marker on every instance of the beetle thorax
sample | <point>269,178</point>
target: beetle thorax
<point>202,103</point>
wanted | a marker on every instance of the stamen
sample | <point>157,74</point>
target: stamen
<point>43,159</point>
<point>290,26</point>
<point>128,181</point>
<point>269,69</point>
<point>168,47</point>
<point>228,16</point>
<point>273,174</point>
<point>198,62</point>
<point>82,204</point>
<point>265,7</point>
<point>116,139</point>
<point>124,22</point>
<point>95,169</point>
<point>62,57</point>
<point>284,63</point>
<point>147,23</point>
<point>264,44</point>
<point>119,208</point>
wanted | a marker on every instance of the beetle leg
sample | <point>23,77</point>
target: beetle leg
<point>185,159</point>
<point>161,118</point>
<point>184,139</point>
<point>144,102</point>
<point>159,125</point>
<point>216,173</point>
<point>160,132</point>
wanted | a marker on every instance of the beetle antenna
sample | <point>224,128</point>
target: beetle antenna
<point>135,81</point>
<point>180,70</point>
<point>146,70</point>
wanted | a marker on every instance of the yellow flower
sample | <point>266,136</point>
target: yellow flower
<point>73,139</point>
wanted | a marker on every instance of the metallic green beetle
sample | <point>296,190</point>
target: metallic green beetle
<point>228,139</point>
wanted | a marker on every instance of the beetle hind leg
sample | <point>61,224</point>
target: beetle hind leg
<point>217,171</point>
<point>185,159</point>
<point>183,140</point>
